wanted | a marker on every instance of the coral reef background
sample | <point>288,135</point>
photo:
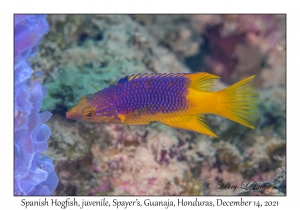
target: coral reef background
<point>82,52</point>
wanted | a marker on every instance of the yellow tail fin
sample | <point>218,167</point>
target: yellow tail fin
<point>239,102</point>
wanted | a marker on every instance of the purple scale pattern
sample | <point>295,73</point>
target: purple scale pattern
<point>104,101</point>
<point>153,94</point>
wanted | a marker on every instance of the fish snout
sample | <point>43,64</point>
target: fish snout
<point>69,115</point>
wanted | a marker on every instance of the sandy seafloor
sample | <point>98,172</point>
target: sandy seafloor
<point>84,52</point>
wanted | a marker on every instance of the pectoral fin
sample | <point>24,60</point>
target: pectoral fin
<point>193,122</point>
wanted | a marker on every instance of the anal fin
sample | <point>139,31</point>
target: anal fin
<point>192,122</point>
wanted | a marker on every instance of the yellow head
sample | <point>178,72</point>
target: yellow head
<point>84,111</point>
<point>81,111</point>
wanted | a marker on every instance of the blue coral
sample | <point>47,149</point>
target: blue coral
<point>33,172</point>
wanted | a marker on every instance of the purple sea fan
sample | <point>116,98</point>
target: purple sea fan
<point>33,172</point>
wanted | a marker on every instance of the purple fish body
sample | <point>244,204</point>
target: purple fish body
<point>143,94</point>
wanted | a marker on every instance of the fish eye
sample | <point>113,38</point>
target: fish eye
<point>89,114</point>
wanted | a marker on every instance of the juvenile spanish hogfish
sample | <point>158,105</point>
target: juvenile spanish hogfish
<point>177,100</point>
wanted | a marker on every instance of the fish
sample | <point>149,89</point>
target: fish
<point>178,100</point>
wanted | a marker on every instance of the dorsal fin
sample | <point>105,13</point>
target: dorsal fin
<point>129,78</point>
<point>123,80</point>
<point>202,81</point>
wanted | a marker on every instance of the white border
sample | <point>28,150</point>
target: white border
<point>154,6</point>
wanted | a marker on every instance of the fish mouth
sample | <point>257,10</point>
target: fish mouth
<point>69,115</point>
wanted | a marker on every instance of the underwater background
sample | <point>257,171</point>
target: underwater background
<point>83,52</point>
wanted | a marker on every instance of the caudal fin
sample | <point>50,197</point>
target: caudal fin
<point>239,102</point>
